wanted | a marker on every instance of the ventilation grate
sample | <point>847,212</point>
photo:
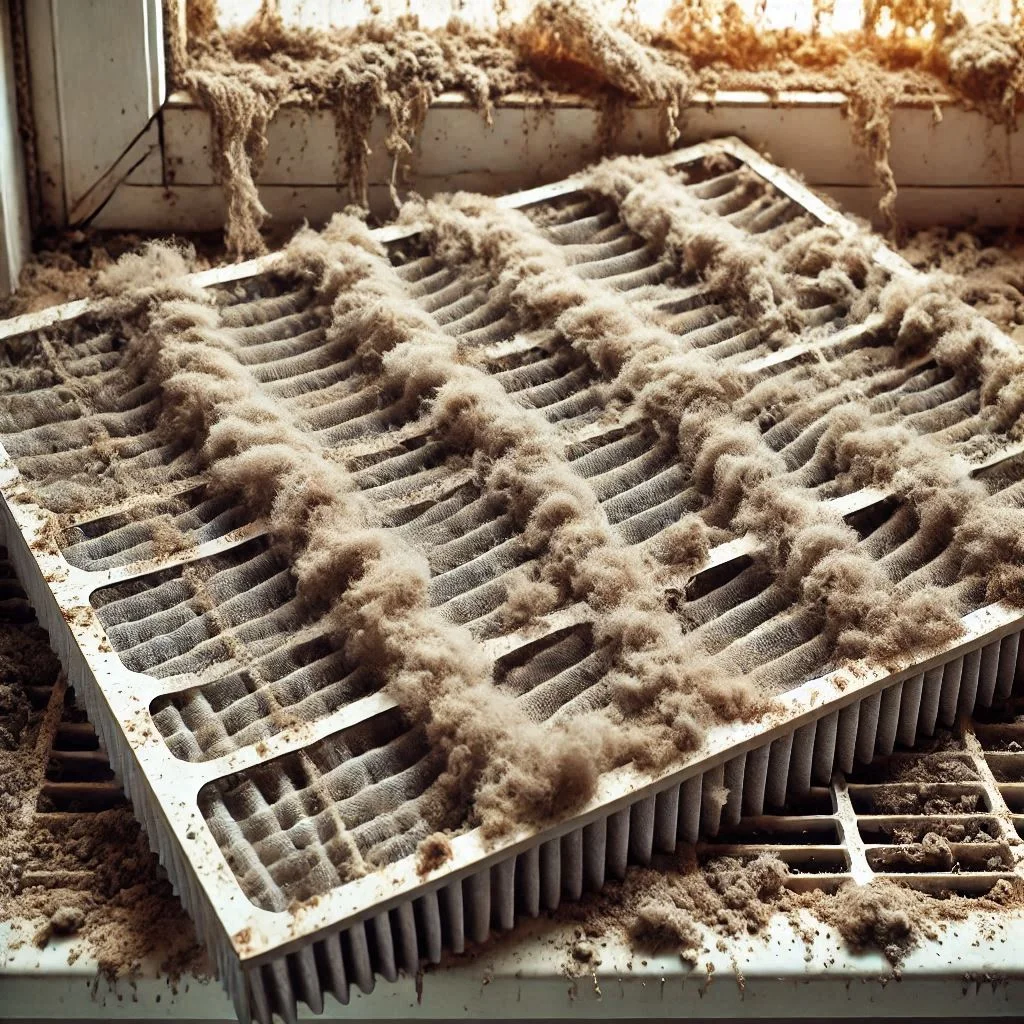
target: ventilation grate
<point>74,778</point>
<point>264,760</point>
<point>940,818</point>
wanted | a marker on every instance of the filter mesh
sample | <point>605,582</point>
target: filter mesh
<point>302,825</point>
<point>200,598</point>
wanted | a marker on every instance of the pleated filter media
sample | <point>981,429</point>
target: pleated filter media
<point>263,759</point>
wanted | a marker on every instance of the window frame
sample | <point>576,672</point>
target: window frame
<point>98,81</point>
<point>15,229</point>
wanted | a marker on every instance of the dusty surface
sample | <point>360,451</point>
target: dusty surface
<point>128,909</point>
<point>87,875</point>
<point>371,585</point>
<point>66,266</point>
<point>658,908</point>
<point>673,908</point>
<point>985,265</point>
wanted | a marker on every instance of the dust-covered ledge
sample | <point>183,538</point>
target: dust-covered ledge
<point>951,164</point>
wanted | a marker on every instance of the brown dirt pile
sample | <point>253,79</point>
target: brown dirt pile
<point>66,266</point>
<point>735,898</point>
<point>75,873</point>
<point>25,660</point>
<point>114,899</point>
<point>432,853</point>
<point>676,906</point>
<point>396,69</point>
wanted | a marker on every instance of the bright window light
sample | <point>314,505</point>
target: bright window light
<point>846,15</point>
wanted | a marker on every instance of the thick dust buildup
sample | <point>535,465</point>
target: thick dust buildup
<point>678,907</point>
<point>491,470</point>
<point>393,70</point>
<point>68,873</point>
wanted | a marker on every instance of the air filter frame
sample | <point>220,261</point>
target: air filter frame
<point>394,918</point>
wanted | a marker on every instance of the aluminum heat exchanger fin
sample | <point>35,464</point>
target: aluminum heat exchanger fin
<point>261,759</point>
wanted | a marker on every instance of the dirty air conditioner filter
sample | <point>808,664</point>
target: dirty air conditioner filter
<point>669,470</point>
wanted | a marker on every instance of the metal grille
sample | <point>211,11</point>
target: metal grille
<point>943,818</point>
<point>258,757</point>
<point>75,778</point>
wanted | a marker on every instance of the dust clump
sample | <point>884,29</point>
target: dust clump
<point>881,915</point>
<point>986,64</point>
<point>932,853</point>
<point>683,907</point>
<point>732,897</point>
<point>923,798</point>
<point>432,852</point>
<point>67,266</point>
<point>25,660</point>
<point>678,905</point>
<point>665,927</point>
<point>586,952</point>
<point>64,921</point>
<point>243,76</point>
<point>936,767</point>
<point>574,41</point>
<point>984,267</point>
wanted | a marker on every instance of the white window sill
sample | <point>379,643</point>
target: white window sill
<point>971,972</point>
<point>956,169</point>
